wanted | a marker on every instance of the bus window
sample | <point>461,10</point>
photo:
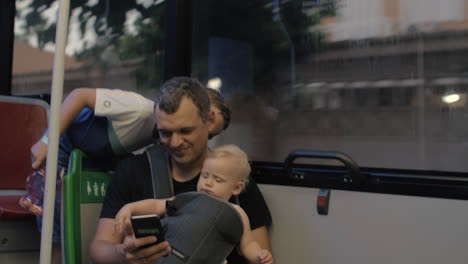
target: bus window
<point>381,80</point>
<point>109,45</point>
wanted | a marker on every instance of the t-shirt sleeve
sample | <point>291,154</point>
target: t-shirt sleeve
<point>131,118</point>
<point>119,104</point>
<point>254,205</point>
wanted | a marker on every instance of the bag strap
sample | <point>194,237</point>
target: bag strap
<point>160,172</point>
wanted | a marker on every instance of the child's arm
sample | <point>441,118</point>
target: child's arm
<point>148,206</point>
<point>71,107</point>
<point>249,247</point>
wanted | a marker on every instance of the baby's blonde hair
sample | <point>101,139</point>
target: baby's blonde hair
<point>238,155</point>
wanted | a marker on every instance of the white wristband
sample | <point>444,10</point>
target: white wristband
<point>45,139</point>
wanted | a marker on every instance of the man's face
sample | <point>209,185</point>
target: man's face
<point>183,133</point>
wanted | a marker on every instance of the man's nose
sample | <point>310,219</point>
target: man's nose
<point>175,141</point>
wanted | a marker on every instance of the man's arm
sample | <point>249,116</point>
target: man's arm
<point>122,247</point>
<point>71,107</point>
<point>109,247</point>
<point>105,247</point>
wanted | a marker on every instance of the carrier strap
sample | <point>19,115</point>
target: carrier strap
<point>160,172</point>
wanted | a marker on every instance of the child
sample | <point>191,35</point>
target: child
<point>225,174</point>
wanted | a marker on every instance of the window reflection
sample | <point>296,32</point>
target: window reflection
<point>366,77</point>
<point>113,44</point>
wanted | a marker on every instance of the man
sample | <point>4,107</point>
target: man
<point>183,119</point>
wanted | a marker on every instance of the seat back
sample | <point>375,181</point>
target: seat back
<point>23,122</point>
<point>83,195</point>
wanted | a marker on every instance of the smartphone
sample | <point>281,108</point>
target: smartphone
<point>147,225</point>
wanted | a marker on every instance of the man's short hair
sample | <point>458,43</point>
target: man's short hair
<point>218,101</point>
<point>173,90</point>
<point>237,155</point>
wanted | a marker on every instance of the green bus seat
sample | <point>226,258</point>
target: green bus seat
<point>83,195</point>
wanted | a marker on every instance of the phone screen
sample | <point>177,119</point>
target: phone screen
<point>147,225</point>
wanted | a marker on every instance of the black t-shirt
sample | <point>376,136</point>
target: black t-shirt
<point>132,182</point>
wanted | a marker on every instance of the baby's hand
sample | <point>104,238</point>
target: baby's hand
<point>27,204</point>
<point>122,216</point>
<point>264,257</point>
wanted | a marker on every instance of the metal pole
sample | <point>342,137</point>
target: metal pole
<point>54,131</point>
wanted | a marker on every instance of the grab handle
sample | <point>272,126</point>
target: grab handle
<point>356,176</point>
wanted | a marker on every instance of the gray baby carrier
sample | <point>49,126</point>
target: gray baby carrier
<point>200,228</point>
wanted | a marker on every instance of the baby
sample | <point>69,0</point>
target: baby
<point>225,174</point>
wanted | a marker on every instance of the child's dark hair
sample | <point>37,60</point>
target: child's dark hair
<point>217,100</point>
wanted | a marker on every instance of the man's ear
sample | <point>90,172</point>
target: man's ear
<point>239,187</point>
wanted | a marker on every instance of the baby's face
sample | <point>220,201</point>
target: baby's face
<point>218,178</point>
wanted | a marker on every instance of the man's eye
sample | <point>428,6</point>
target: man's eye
<point>186,131</point>
<point>204,175</point>
<point>218,180</point>
<point>164,134</point>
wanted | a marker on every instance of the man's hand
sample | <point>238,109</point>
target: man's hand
<point>133,252</point>
<point>38,154</point>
